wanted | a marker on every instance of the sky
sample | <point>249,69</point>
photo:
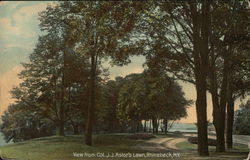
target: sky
<point>19,31</point>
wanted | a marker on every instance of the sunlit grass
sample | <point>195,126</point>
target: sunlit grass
<point>62,148</point>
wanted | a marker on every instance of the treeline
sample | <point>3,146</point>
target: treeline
<point>121,104</point>
<point>205,43</point>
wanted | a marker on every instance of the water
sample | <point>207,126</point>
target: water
<point>2,141</point>
<point>179,127</point>
<point>183,127</point>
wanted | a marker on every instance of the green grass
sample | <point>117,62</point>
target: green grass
<point>62,148</point>
<point>189,146</point>
<point>239,152</point>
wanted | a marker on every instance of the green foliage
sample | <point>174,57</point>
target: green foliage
<point>19,124</point>
<point>144,96</point>
<point>242,119</point>
<point>107,105</point>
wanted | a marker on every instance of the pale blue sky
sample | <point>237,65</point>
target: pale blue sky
<point>19,32</point>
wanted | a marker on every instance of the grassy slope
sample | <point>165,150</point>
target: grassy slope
<point>62,148</point>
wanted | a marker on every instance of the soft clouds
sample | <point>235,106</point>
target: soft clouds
<point>7,82</point>
<point>8,29</point>
<point>29,11</point>
<point>10,5</point>
<point>123,71</point>
<point>27,47</point>
<point>136,66</point>
<point>21,21</point>
<point>18,34</point>
<point>19,31</point>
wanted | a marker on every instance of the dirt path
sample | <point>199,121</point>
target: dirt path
<point>169,144</point>
<point>155,145</point>
<point>162,144</point>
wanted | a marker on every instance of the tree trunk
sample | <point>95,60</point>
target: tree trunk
<point>62,108</point>
<point>150,125</point>
<point>91,105</point>
<point>230,104</point>
<point>200,53</point>
<point>75,129</point>
<point>139,126</point>
<point>155,126</point>
<point>60,128</point>
<point>165,126</point>
<point>230,121</point>
<point>220,136</point>
<point>201,111</point>
<point>145,126</point>
<point>218,113</point>
<point>221,116</point>
<point>158,124</point>
<point>218,119</point>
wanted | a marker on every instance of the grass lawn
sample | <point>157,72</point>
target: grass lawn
<point>189,146</point>
<point>62,148</point>
<point>239,152</point>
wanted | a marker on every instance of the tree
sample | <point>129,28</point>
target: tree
<point>131,101</point>
<point>182,37</point>
<point>51,73</point>
<point>107,105</point>
<point>242,118</point>
<point>42,81</point>
<point>20,122</point>
<point>177,38</point>
<point>96,30</point>
<point>145,96</point>
<point>238,88</point>
<point>225,43</point>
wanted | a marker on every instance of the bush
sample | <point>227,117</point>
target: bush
<point>194,140</point>
<point>242,118</point>
<point>141,136</point>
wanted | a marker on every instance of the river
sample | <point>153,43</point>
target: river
<point>2,141</point>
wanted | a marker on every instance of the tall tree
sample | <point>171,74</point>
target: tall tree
<point>96,29</point>
<point>179,39</point>
<point>46,80</point>
<point>182,37</point>
<point>227,37</point>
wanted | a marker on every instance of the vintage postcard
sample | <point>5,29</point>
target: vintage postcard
<point>136,80</point>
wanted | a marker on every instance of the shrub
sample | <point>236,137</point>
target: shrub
<point>194,140</point>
